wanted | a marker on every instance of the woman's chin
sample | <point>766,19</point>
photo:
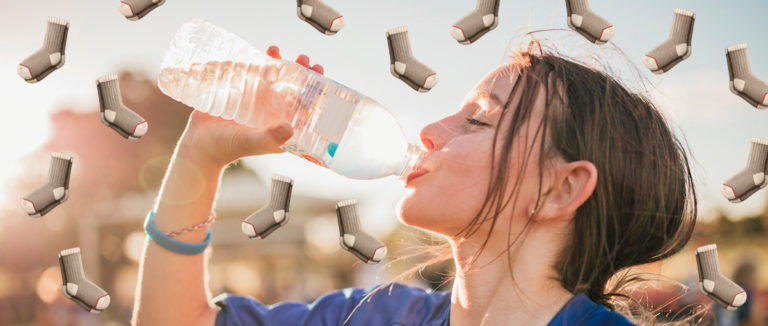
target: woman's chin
<point>407,211</point>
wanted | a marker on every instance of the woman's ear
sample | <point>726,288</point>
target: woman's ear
<point>571,185</point>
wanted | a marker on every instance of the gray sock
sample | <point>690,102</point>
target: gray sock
<point>714,284</point>
<point>321,16</point>
<point>676,47</point>
<point>353,239</point>
<point>752,176</point>
<point>114,114</point>
<point>483,19</point>
<point>135,9</point>
<point>404,65</point>
<point>587,23</point>
<point>742,81</point>
<point>52,193</point>
<point>76,286</point>
<point>48,58</point>
<point>275,214</point>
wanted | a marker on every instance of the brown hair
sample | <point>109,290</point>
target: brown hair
<point>643,208</point>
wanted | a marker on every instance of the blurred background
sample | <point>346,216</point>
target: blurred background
<point>114,181</point>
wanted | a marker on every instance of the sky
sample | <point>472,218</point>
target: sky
<point>716,124</point>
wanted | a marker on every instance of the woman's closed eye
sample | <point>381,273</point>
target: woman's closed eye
<point>476,122</point>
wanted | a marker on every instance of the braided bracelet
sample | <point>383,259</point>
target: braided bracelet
<point>194,227</point>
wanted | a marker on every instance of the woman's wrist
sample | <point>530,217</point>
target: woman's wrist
<point>188,149</point>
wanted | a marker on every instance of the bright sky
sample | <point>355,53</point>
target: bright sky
<point>717,124</point>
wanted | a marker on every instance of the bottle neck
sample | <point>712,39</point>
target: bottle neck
<point>411,161</point>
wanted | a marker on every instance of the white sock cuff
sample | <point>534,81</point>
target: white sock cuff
<point>62,156</point>
<point>106,78</point>
<point>346,202</point>
<point>706,248</point>
<point>57,20</point>
<point>685,12</point>
<point>397,30</point>
<point>736,47</point>
<point>69,251</point>
<point>282,178</point>
<point>760,141</point>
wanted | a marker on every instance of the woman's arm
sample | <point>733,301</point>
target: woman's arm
<point>172,288</point>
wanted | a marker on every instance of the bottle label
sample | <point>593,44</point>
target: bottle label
<point>334,117</point>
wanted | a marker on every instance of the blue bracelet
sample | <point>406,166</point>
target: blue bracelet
<point>169,244</point>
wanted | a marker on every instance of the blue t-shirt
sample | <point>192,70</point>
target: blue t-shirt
<point>405,306</point>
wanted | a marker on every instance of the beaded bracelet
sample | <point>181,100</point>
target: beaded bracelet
<point>194,227</point>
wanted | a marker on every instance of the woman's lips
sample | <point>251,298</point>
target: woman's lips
<point>413,175</point>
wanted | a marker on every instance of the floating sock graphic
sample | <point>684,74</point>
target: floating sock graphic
<point>404,65</point>
<point>275,214</point>
<point>353,239</point>
<point>76,286</point>
<point>742,81</point>
<point>587,23</point>
<point>48,58</point>
<point>135,9</point>
<point>55,191</point>
<point>677,47</point>
<point>483,19</point>
<point>114,114</point>
<point>752,178</point>
<point>321,16</point>
<point>716,286</point>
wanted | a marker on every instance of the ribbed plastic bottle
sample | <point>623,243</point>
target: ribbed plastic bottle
<point>215,71</point>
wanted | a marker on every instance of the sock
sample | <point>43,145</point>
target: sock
<point>48,58</point>
<point>275,214</point>
<point>55,191</point>
<point>404,65</point>
<point>677,47</point>
<point>321,16</point>
<point>114,114</point>
<point>482,20</point>
<point>353,239</point>
<point>587,23</point>
<point>135,9</point>
<point>714,284</point>
<point>743,82</point>
<point>752,177</point>
<point>76,286</point>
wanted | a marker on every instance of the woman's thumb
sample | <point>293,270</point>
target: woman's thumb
<point>269,140</point>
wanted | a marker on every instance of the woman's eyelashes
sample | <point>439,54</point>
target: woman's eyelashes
<point>475,122</point>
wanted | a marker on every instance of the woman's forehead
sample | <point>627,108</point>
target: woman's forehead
<point>498,83</point>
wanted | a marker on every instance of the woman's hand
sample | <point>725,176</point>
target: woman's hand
<point>218,141</point>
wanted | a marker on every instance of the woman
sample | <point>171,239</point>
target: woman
<point>550,180</point>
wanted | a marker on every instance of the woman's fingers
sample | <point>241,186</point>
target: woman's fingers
<point>318,69</point>
<point>274,52</point>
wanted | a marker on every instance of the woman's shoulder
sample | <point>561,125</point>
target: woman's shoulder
<point>391,304</point>
<point>581,310</point>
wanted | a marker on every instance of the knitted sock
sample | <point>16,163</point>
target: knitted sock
<point>114,114</point>
<point>714,284</point>
<point>52,193</point>
<point>76,286</point>
<point>321,16</point>
<point>275,214</point>
<point>752,176</point>
<point>742,81</point>
<point>676,47</point>
<point>353,239</point>
<point>404,65</point>
<point>135,9</point>
<point>48,58</point>
<point>483,19</point>
<point>587,23</point>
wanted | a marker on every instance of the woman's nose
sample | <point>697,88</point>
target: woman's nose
<point>430,137</point>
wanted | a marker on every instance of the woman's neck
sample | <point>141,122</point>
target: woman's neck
<point>488,295</point>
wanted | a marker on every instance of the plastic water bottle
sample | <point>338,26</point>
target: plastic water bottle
<point>216,72</point>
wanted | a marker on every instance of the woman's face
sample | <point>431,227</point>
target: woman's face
<point>458,161</point>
